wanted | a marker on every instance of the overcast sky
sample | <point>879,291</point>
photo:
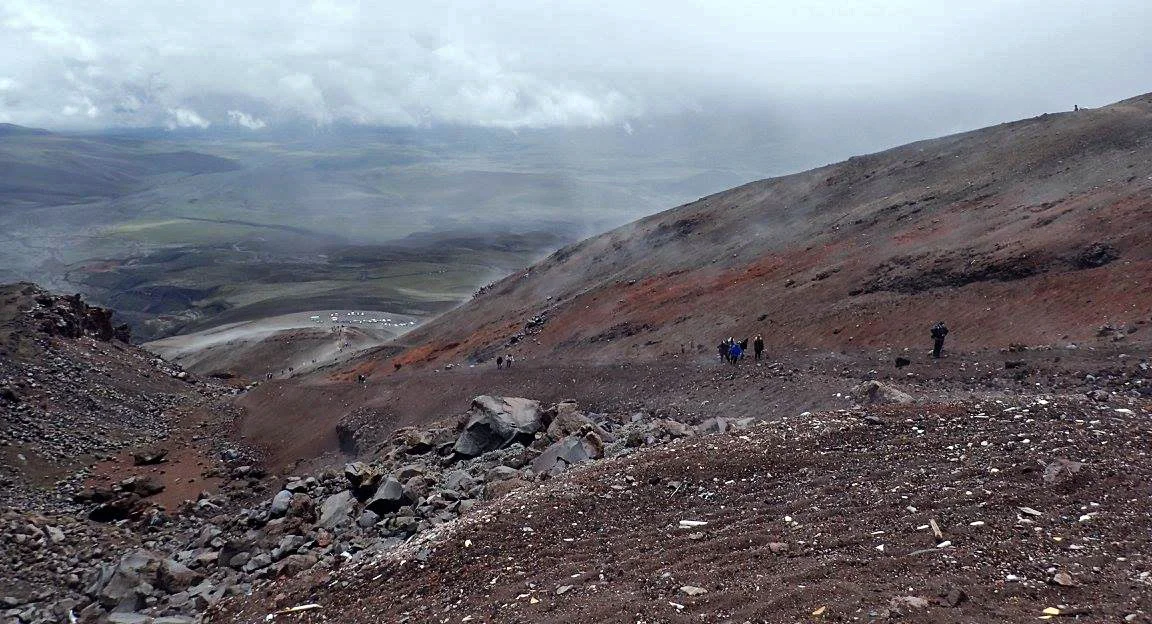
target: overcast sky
<point>87,64</point>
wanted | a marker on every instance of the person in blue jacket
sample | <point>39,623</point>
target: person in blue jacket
<point>734,352</point>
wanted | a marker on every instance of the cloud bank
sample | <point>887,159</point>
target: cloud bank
<point>254,64</point>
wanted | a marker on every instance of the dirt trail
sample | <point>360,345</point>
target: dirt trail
<point>335,417</point>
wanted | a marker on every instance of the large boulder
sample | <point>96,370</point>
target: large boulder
<point>280,503</point>
<point>173,576</point>
<point>566,420</point>
<point>389,497</point>
<point>713,425</point>
<point>117,586</point>
<point>871,392</point>
<point>496,422</point>
<point>671,428</point>
<point>336,509</point>
<point>143,485</point>
<point>127,505</point>
<point>295,564</point>
<point>570,451</point>
<point>362,478</point>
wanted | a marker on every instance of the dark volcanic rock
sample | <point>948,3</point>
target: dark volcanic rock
<point>567,452</point>
<point>119,509</point>
<point>335,509</point>
<point>389,497</point>
<point>70,317</point>
<point>496,422</point>
<point>1096,255</point>
<point>148,458</point>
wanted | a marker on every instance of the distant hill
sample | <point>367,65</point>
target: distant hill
<point>8,130</point>
<point>38,167</point>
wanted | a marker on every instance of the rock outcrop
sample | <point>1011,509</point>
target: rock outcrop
<point>496,422</point>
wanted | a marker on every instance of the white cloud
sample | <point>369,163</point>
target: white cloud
<point>245,120</point>
<point>510,63</point>
<point>186,118</point>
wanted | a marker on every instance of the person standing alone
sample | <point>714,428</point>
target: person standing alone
<point>758,346</point>
<point>939,331</point>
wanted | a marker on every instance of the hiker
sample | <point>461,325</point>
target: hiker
<point>939,331</point>
<point>499,361</point>
<point>758,346</point>
<point>508,361</point>
<point>722,348</point>
<point>360,378</point>
<point>735,352</point>
<point>744,346</point>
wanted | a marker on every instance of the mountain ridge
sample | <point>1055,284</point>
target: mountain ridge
<point>977,209</point>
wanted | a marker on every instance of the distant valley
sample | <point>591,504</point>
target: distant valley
<point>180,232</point>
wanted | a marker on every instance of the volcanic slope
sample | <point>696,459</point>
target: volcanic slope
<point>1031,232</point>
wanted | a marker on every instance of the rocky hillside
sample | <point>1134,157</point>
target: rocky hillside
<point>72,390</point>
<point>1032,232</point>
<point>100,442</point>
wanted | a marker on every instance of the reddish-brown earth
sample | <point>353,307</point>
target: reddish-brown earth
<point>822,517</point>
<point>1035,233</point>
<point>1032,240</point>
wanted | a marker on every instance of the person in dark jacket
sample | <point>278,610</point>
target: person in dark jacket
<point>722,349</point>
<point>939,331</point>
<point>758,346</point>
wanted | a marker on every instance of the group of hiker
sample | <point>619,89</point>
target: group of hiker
<point>732,351</point>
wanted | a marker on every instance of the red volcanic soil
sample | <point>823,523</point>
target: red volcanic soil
<point>1035,233</point>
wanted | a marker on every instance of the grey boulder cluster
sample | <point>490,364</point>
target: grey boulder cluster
<point>420,479</point>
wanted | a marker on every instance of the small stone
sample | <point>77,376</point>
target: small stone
<point>955,597</point>
<point>563,589</point>
<point>692,590</point>
<point>1063,579</point>
<point>904,604</point>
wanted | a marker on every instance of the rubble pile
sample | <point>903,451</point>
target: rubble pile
<point>180,564</point>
